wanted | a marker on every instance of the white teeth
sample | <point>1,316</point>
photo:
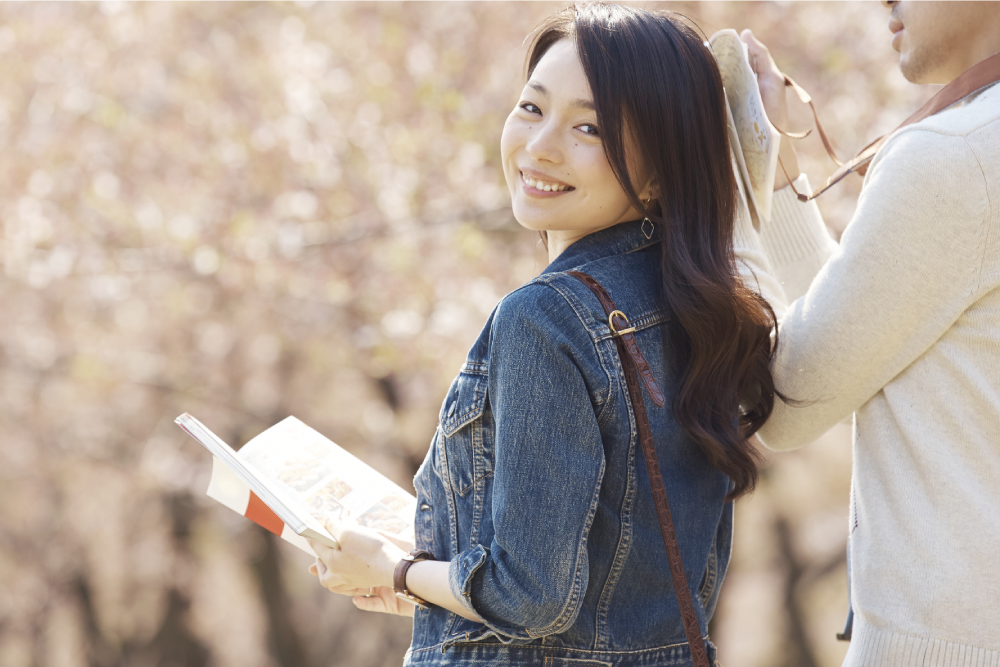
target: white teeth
<point>543,186</point>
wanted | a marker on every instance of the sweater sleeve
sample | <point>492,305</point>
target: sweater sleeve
<point>752,263</point>
<point>906,269</point>
<point>795,239</point>
<point>779,261</point>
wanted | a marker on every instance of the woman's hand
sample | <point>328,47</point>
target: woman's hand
<point>363,560</point>
<point>381,599</point>
<point>384,601</point>
<point>771,82</point>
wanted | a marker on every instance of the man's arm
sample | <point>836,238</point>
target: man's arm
<point>794,243</point>
<point>906,269</point>
<point>753,264</point>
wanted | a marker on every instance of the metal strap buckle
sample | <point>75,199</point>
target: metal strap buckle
<point>611,323</point>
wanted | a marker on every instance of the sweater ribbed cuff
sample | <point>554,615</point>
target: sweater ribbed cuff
<point>871,647</point>
<point>796,230</point>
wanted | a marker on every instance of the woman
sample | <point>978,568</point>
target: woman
<point>534,498</point>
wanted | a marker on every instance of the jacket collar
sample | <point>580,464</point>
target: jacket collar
<point>625,237</point>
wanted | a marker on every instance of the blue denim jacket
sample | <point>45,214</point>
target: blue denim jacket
<point>535,486</point>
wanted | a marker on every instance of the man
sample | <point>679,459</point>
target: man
<point>901,327</point>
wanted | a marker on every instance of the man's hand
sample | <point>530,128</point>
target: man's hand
<point>771,82</point>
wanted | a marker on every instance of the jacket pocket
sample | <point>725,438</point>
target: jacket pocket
<point>467,443</point>
<point>574,662</point>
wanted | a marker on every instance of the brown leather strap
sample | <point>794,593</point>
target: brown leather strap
<point>636,367</point>
<point>627,339</point>
<point>399,576</point>
<point>974,79</point>
<point>805,98</point>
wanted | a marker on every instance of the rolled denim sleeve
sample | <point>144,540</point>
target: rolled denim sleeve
<point>549,463</point>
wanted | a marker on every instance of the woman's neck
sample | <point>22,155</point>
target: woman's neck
<point>558,240</point>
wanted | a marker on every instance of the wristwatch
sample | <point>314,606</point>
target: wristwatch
<point>399,576</point>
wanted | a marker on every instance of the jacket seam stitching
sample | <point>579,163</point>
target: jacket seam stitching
<point>624,540</point>
<point>611,401</point>
<point>564,649</point>
<point>569,608</point>
<point>576,306</point>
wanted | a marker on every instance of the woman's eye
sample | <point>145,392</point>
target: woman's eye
<point>530,108</point>
<point>590,129</point>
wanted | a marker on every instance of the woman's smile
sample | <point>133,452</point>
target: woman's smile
<point>536,184</point>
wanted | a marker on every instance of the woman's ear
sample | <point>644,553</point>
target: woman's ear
<point>651,191</point>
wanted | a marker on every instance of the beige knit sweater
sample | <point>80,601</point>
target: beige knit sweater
<point>901,326</point>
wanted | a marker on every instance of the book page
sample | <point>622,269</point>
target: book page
<point>331,482</point>
<point>757,138</point>
<point>277,506</point>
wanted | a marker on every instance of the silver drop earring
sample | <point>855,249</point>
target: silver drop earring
<point>647,224</point>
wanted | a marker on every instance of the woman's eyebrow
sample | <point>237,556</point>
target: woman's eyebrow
<point>580,102</point>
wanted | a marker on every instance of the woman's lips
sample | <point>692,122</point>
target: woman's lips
<point>538,186</point>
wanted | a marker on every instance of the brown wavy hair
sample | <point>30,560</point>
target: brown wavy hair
<point>657,88</point>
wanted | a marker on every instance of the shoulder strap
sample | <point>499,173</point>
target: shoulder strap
<point>635,366</point>
<point>979,76</point>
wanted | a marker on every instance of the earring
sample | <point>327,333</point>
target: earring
<point>647,224</point>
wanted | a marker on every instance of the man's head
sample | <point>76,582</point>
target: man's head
<point>937,41</point>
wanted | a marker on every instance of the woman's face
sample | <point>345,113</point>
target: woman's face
<point>554,163</point>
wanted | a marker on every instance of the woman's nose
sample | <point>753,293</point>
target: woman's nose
<point>544,143</point>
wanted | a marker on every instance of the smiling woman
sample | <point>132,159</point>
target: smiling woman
<point>559,177</point>
<point>542,523</point>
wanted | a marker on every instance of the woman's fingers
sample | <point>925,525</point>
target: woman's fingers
<point>384,601</point>
<point>362,559</point>
<point>365,603</point>
<point>333,582</point>
<point>322,551</point>
<point>333,527</point>
<point>343,589</point>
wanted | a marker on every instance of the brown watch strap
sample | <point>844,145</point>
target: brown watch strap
<point>635,366</point>
<point>399,575</point>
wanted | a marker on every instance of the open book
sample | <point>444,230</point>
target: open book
<point>290,477</point>
<point>754,140</point>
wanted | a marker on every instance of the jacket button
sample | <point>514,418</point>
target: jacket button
<point>425,507</point>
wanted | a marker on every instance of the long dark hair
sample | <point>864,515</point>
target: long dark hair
<point>657,90</point>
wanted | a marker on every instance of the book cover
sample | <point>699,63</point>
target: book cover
<point>754,140</point>
<point>291,477</point>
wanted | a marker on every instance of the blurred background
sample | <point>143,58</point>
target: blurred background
<point>247,211</point>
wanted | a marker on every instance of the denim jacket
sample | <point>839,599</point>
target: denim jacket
<point>535,487</point>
